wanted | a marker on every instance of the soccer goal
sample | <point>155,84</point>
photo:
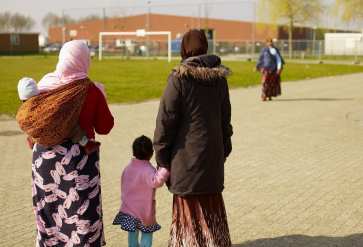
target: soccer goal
<point>138,33</point>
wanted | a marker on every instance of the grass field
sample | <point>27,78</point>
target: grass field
<point>137,80</point>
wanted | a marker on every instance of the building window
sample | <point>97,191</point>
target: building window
<point>72,33</point>
<point>14,39</point>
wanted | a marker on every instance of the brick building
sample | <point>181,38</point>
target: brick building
<point>227,36</point>
<point>226,30</point>
<point>11,43</point>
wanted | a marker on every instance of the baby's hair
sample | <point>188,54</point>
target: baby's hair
<point>142,147</point>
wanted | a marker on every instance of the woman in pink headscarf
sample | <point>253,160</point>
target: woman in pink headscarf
<point>65,180</point>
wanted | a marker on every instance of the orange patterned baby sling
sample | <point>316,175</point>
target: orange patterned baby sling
<point>49,117</point>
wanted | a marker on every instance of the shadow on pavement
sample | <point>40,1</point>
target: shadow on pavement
<point>309,99</point>
<point>355,240</point>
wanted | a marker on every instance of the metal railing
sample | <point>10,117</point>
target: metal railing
<point>239,49</point>
<point>301,49</point>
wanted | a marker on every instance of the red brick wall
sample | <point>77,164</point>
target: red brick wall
<point>224,29</point>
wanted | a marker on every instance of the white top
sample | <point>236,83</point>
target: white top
<point>277,57</point>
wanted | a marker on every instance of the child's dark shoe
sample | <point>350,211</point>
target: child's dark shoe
<point>91,146</point>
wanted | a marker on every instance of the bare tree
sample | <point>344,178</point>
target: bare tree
<point>290,12</point>
<point>119,19</point>
<point>349,10</point>
<point>68,20</point>
<point>20,23</point>
<point>91,17</point>
<point>51,20</point>
<point>5,21</point>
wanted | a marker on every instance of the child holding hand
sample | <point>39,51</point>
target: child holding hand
<point>139,182</point>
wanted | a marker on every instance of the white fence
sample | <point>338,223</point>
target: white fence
<point>303,49</point>
<point>141,33</point>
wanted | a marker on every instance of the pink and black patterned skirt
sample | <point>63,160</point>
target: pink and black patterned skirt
<point>67,196</point>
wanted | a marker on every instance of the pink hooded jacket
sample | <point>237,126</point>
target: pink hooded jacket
<point>139,182</point>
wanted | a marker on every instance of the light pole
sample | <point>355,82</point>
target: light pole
<point>82,27</point>
<point>319,61</point>
<point>192,25</point>
<point>356,52</point>
<point>104,19</point>
<point>64,35</point>
<point>314,37</point>
<point>63,29</point>
<point>253,30</point>
<point>199,17</point>
<point>148,29</point>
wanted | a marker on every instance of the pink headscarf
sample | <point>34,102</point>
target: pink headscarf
<point>74,64</point>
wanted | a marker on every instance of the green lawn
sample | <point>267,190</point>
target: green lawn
<point>137,80</point>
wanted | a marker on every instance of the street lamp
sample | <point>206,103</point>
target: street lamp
<point>63,29</point>
<point>82,27</point>
<point>64,35</point>
<point>320,44</point>
<point>356,50</point>
<point>253,29</point>
<point>192,25</point>
<point>148,29</point>
<point>314,36</point>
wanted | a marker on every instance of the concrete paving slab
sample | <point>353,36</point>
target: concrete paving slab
<point>294,177</point>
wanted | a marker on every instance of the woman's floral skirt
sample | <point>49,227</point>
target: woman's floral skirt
<point>67,196</point>
<point>271,83</point>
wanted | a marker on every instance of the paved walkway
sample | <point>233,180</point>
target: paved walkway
<point>294,178</point>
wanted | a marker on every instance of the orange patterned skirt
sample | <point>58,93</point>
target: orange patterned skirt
<point>199,221</point>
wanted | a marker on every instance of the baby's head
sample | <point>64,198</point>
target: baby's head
<point>143,148</point>
<point>27,88</point>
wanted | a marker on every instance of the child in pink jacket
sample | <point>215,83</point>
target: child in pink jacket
<point>139,182</point>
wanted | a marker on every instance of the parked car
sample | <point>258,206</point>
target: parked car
<point>114,49</point>
<point>94,48</point>
<point>52,48</point>
<point>175,46</point>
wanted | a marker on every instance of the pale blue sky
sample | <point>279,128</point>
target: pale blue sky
<point>38,8</point>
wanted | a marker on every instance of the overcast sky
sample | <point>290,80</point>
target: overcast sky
<point>38,8</point>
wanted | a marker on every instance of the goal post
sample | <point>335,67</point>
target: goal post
<point>137,33</point>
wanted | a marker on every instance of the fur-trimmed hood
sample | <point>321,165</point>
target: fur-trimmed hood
<point>206,69</point>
